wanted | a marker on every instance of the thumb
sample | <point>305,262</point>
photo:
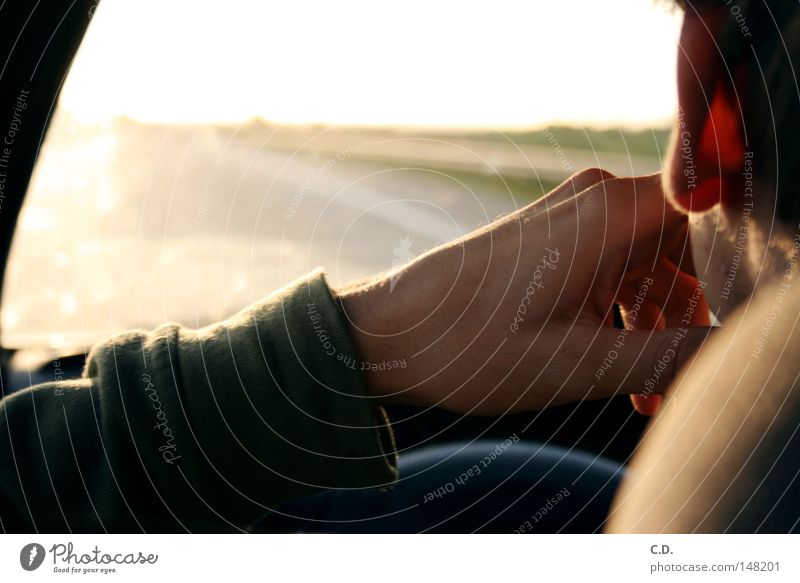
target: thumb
<point>643,363</point>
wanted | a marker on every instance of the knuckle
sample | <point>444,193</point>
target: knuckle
<point>589,177</point>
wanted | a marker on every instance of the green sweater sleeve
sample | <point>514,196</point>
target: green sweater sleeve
<point>197,430</point>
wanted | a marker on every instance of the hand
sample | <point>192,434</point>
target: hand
<point>675,300</point>
<point>518,315</point>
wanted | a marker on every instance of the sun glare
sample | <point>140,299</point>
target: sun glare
<point>412,63</point>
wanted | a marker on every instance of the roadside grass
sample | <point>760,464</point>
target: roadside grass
<point>322,140</point>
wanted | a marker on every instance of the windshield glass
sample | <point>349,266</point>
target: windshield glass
<point>162,194</point>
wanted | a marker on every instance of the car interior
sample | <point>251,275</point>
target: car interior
<point>38,48</point>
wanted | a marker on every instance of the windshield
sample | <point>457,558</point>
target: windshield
<point>156,198</point>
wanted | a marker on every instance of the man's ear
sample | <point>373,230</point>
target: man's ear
<point>707,151</point>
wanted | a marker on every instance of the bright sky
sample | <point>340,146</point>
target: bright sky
<point>413,62</point>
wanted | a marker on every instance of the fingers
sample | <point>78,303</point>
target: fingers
<point>619,232</point>
<point>681,255</point>
<point>574,185</point>
<point>680,296</point>
<point>665,297</point>
<point>638,224</point>
<point>626,222</point>
<point>637,228</point>
<point>642,314</point>
<point>673,297</point>
<point>642,362</point>
<point>647,405</point>
<point>642,194</point>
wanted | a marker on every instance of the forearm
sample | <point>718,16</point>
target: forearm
<point>196,430</point>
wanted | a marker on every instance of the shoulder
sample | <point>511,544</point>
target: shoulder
<point>758,348</point>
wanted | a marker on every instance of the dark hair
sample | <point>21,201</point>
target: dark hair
<point>760,42</point>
